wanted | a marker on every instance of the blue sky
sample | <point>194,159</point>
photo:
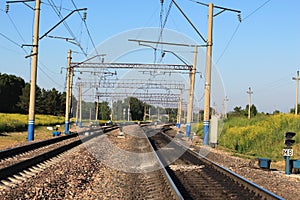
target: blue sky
<point>262,52</point>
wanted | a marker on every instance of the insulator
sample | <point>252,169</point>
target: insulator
<point>7,8</point>
<point>84,16</point>
<point>239,17</point>
<point>161,1</point>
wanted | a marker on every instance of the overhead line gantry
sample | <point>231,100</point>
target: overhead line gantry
<point>135,83</point>
<point>131,66</point>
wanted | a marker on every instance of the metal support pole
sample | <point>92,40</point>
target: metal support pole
<point>71,93</point>
<point>97,110</point>
<point>128,113</point>
<point>191,94</point>
<point>31,116</point>
<point>68,90</point>
<point>249,92</point>
<point>208,76</point>
<point>179,110</point>
<point>90,114</point>
<point>80,105</point>
<point>287,165</point>
<point>225,107</point>
<point>297,90</point>
<point>124,114</point>
<point>77,107</point>
<point>112,110</point>
<point>145,112</point>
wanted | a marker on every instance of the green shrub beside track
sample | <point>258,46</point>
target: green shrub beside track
<point>261,136</point>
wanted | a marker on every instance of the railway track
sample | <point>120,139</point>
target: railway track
<point>17,164</point>
<point>199,178</point>
<point>147,178</point>
<point>189,177</point>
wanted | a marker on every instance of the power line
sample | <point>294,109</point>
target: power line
<point>12,41</point>
<point>238,26</point>
<point>58,7</point>
<point>58,13</point>
<point>229,42</point>
<point>46,74</point>
<point>257,9</point>
<point>19,33</point>
<point>87,29</point>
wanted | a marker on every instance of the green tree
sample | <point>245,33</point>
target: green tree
<point>172,114</point>
<point>253,110</point>
<point>23,103</point>
<point>136,109</point>
<point>105,111</point>
<point>292,110</point>
<point>10,89</point>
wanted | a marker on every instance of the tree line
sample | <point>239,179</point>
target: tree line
<point>15,94</point>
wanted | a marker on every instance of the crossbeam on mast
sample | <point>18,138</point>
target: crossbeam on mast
<point>131,66</point>
<point>134,83</point>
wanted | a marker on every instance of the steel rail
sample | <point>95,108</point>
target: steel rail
<point>26,164</point>
<point>32,146</point>
<point>168,178</point>
<point>264,193</point>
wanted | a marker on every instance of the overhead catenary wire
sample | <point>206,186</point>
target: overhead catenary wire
<point>58,7</point>
<point>58,13</point>
<point>14,25</point>
<point>237,28</point>
<point>87,29</point>
<point>257,9</point>
<point>17,30</point>
<point>229,42</point>
<point>12,41</point>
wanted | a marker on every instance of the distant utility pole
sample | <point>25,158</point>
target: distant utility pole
<point>249,92</point>
<point>297,89</point>
<point>225,107</point>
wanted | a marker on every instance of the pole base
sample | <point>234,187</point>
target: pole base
<point>30,136</point>
<point>188,130</point>
<point>67,125</point>
<point>205,133</point>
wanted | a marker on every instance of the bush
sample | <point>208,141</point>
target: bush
<point>261,136</point>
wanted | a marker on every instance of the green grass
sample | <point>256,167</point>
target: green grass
<point>261,136</point>
<point>18,122</point>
